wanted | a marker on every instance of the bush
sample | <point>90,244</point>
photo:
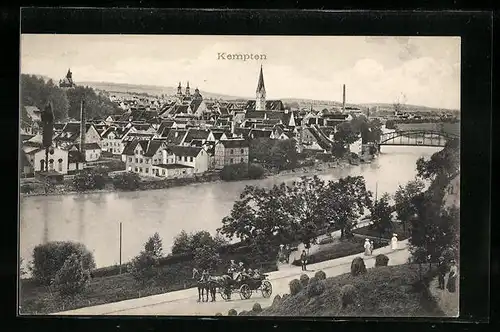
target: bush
<point>277,300</point>
<point>234,172</point>
<point>295,287</point>
<point>72,278</point>
<point>304,280</point>
<point>126,181</point>
<point>207,257</point>
<point>381,260</point>
<point>154,246</point>
<point>143,267</point>
<point>49,258</point>
<point>320,275</point>
<point>89,179</point>
<point>255,171</point>
<point>316,287</point>
<point>232,312</point>
<point>256,308</point>
<point>358,266</point>
<point>218,314</point>
<point>347,295</point>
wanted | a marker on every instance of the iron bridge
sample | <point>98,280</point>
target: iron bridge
<point>416,138</point>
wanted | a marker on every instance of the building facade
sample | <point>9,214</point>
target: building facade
<point>231,151</point>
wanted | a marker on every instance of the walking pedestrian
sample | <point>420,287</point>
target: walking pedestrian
<point>303,260</point>
<point>452,277</point>
<point>367,247</point>
<point>441,272</point>
<point>371,247</point>
<point>394,242</point>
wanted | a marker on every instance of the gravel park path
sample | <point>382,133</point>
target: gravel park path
<point>184,302</point>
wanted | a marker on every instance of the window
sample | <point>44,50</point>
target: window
<point>140,160</point>
<point>147,161</point>
<point>242,160</point>
<point>137,160</point>
<point>242,151</point>
<point>130,159</point>
<point>231,161</point>
<point>147,170</point>
<point>42,165</point>
<point>129,168</point>
<point>136,169</point>
<point>232,151</point>
<point>191,159</point>
<point>163,172</point>
<point>140,169</point>
<point>51,164</point>
<point>59,167</point>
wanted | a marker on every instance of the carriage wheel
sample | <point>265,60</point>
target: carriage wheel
<point>267,289</point>
<point>223,294</point>
<point>245,292</point>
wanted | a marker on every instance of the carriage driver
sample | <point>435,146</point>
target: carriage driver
<point>204,275</point>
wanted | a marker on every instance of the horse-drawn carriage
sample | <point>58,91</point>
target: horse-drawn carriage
<point>246,287</point>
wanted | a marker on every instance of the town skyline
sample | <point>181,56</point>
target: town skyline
<point>426,70</point>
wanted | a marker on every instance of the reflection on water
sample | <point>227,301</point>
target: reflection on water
<point>94,219</point>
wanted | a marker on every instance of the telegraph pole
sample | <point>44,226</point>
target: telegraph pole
<point>120,248</point>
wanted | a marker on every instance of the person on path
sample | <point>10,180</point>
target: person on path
<point>442,269</point>
<point>372,246</point>
<point>303,260</point>
<point>394,242</point>
<point>452,277</point>
<point>367,247</point>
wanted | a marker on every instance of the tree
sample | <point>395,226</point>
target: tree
<point>348,198</point>
<point>143,268</point>
<point>49,258</point>
<point>96,104</point>
<point>207,257</point>
<point>154,246</point>
<point>345,134</point>
<point>403,199</point>
<point>72,278</point>
<point>280,154</point>
<point>89,179</point>
<point>182,243</point>
<point>126,181</point>
<point>381,216</point>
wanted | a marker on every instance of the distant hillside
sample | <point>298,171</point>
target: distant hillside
<point>409,107</point>
<point>153,90</point>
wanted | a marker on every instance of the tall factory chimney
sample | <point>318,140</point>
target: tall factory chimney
<point>343,98</point>
<point>82,129</point>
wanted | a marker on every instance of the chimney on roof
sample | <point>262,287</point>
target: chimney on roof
<point>343,98</point>
<point>82,129</point>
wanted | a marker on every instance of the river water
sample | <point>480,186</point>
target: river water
<point>93,219</point>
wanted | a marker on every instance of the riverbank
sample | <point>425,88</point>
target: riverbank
<point>66,187</point>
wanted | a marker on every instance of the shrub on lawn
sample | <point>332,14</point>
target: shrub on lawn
<point>284,297</point>
<point>232,312</point>
<point>316,287</point>
<point>256,308</point>
<point>143,268</point>
<point>295,287</point>
<point>218,314</point>
<point>234,172</point>
<point>304,280</point>
<point>320,275</point>
<point>277,300</point>
<point>50,257</point>
<point>126,181</point>
<point>358,266</point>
<point>72,278</point>
<point>381,260</point>
<point>347,294</point>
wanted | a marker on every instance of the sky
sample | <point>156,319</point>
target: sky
<point>414,70</point>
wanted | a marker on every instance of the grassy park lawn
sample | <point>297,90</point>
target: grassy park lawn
<point>389,291</point>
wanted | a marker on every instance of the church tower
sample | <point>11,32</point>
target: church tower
<point>179,90</point>
<point>260,100</point>
<point>188,93</point>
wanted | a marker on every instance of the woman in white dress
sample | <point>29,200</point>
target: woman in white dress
<point>394,242</point>
<point>367,247</point>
